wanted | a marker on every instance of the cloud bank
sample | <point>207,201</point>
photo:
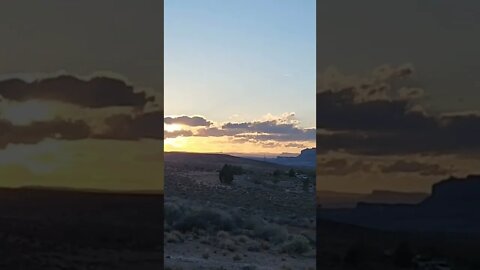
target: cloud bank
<point>269,132</point>
<point>382,114</point>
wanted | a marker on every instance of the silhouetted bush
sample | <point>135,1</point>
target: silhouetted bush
<point>226,174</point>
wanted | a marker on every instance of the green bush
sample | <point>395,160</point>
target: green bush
<point>226,174</point>
<point>267,231</point>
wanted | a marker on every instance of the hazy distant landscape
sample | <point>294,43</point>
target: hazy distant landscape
<point>259,221</point>
<point>307,159</point>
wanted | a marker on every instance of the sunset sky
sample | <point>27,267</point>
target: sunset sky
<point>398,100</point>
<point>239,76</point>
<point>81,102</point>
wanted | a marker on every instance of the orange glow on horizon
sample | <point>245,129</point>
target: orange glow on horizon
<point>225,145</point>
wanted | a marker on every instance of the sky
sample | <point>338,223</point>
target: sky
<point>398,100</point>
<point>81,94</point>
<point>246,70</point>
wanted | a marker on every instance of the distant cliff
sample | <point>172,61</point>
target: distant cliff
<point>306,158</point>
<point>456,192</point>
<point>452,207</point>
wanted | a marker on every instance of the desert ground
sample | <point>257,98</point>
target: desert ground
<point>259,221</point>
<point>344,246</point>
<point>65,229</point>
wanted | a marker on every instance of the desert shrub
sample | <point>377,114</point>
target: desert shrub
<point>226,174</point>
<point>298,244</point>
<point>237,257</point>
<point>173,212</point>
<point>206,255</point>
<point>223,234</point>
<point>227,244</point>
<point>242,239</point>
<point>272,232</point>
<point>266,231</point>
<point>206,219</point>
<point>205,240</point>
<point>173,237</point>
<point>251,222</point>
<point>254,247</point>
<point>291,173</point>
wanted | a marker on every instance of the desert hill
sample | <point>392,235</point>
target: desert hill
<point>199,161</point>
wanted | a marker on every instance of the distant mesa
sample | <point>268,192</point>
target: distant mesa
<point>456,191</point>
<point>306,158</point>
<point>452,207</point>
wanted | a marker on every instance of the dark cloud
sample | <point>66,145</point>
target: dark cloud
<point>127,127</point>
<point>458,136</point>
<point>270,127</point>
<point>97,92</point>
<point>195,121</point>
<point>339,111</point>
<point>119,127</point>
<point>341,166</point>
<point>178,133</point>
<point>38,131</point>
<point>424,169</point>
<point>244,125</point>
<point>274,130</point>
<point>216,132</point>
<point>280,130</point>
<point>259,131</point>
<point>301,135</point>
<point>393,123</point>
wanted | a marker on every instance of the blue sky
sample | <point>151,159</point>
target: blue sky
<point>240,58</point>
